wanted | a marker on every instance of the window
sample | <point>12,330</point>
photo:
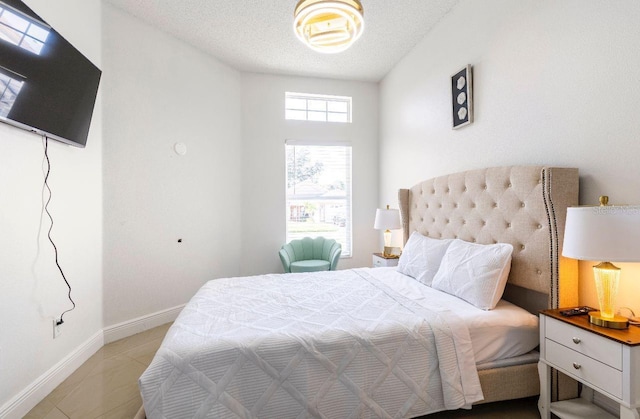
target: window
<point>323,108</point>
<point>9,90</point>
<point>19,29</point>
<point>319,192</point>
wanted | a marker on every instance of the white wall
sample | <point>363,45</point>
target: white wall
<point>555,83</point>
<point>159,91</point>
<point>225,197</point>
<point>32,292</point>
<point>263,176</point>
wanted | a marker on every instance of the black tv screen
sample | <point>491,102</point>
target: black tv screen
<point>46,85</point>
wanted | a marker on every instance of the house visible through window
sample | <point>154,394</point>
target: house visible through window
<point>319,192</point>
<point>323,108</point>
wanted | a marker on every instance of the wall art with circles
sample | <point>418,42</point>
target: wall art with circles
<point>462,97</point>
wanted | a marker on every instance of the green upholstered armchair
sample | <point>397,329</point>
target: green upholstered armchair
<point>310,255</point>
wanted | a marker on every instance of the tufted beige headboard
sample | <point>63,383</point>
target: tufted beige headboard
<point>521,205</point>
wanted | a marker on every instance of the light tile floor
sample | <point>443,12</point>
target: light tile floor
<point>106,387</point>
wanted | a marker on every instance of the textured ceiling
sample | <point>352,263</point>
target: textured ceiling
<point>257,35</point>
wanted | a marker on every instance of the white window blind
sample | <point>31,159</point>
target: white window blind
<point>323,108</point>
<point>319,192</point>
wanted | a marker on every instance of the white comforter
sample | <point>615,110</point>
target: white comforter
<point>328,344</point>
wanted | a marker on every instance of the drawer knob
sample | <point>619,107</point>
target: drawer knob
<point>576,340</point>
<point>576,365</point>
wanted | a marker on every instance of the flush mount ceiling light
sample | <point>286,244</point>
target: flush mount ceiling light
<point>328,26</point>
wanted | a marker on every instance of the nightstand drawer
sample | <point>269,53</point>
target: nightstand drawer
<point>604,350</point>
<point>585,369</point>
<point>604,360</point>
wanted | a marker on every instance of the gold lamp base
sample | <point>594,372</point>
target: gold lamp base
<point>617,322</point>
<point>391,252</point>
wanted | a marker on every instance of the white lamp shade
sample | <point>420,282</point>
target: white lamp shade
<point>605,233</point>
<point>387,219</point>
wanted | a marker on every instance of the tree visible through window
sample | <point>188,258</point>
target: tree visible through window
<point>319,192</point>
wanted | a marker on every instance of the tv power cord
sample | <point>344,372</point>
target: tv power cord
<point>55,248</point>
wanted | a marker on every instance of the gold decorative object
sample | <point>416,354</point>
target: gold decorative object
<point>328,26</point>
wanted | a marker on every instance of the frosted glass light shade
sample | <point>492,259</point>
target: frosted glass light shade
<point>328,26</point>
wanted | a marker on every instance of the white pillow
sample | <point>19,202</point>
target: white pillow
<point>421,257</point>
<point>477,273</point>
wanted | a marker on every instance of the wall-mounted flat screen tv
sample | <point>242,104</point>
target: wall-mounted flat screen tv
<point>46,85</point>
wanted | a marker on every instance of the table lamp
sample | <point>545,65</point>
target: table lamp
<point>387,220</point>
<point>605,233</point>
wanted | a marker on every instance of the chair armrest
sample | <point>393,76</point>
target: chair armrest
<point>334,256</point>
<point>286,261</point>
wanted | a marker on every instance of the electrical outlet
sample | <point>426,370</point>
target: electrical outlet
<point>57,328</point>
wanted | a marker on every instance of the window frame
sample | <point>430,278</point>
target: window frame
<point>28,37</point>
<point>347,246</point>
<point>312,114</point>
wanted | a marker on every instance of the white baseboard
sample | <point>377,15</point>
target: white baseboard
<point>28,398</point>
<point>140,324</point>
<point>24,401</point>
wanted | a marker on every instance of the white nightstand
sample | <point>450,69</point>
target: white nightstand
<point>604,360</point>
<point>380,261</point>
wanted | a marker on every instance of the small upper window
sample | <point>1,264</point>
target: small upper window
<point>324,108</point>
<point>19,29</point>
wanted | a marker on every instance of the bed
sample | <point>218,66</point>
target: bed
<point>375,342</point>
